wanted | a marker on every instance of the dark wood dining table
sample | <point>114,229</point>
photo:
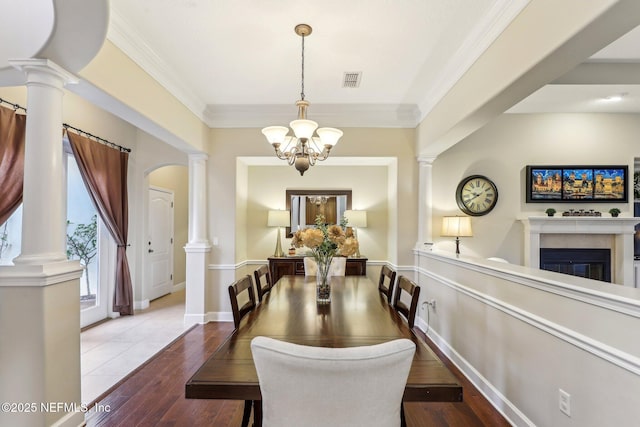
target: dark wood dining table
<point>357,315</point>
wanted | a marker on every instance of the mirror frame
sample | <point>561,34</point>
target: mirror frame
<point>303,192</point>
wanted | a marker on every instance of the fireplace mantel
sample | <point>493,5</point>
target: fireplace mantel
<point>621,228</point>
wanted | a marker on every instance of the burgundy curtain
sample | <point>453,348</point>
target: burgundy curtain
<point>104,171</point>
<point>12,131</point>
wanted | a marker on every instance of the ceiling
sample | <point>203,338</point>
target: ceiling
<point>238,63</point>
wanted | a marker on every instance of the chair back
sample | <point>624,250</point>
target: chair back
<point>241,291</point>
<point>338,266</point>
<point>406,297</point>
<point>263,286</point>
<point>318,386</point>
<point>310,266</point>
<point>387,281</point>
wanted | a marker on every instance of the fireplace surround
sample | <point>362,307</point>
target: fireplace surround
<point>589,232</point>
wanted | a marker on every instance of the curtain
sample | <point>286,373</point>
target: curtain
<point>104,171</point>
<point>12,131</point>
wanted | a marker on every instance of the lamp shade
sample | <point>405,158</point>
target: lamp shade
<point>329,136</point>
<point>275,134</point>
<point>356,218</point>
<point>456,226</point>
<point>278,219</point>
<point>303,128</point>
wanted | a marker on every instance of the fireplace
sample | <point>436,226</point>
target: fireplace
<point>589,263</point>
<point>584,232</point>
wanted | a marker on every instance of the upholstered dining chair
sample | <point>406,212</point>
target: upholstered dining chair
<point>263,288</point>
<point>405,300</point>
<point>338,266</point>
<point>318,386</point>
<point>387,281</point>
<point>310,266</point>
<point>242,291</point>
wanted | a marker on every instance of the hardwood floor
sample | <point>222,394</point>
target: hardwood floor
<point>154,394</point>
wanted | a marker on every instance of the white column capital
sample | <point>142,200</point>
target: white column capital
<point>198,157</point>
<point>44,71</point>
<point>426,160</point>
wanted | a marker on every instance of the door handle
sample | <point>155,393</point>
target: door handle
<point>150,250</point>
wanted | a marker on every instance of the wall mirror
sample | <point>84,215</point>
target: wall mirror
<point>305,205</point>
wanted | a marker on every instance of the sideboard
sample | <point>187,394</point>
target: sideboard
<point>294,265</point>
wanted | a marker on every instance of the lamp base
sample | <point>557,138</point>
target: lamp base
<point>279,252</point>
<point>457,246</point>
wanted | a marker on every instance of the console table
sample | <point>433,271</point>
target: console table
<point>294,265</point>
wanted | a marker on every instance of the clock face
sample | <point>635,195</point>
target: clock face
<point>476,195</point>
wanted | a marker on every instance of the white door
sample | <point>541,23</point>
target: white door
<point>160,243</point>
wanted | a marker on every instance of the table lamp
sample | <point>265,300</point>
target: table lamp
<point>456,226</point>
<point>279,219</point>
<point>356,219</point>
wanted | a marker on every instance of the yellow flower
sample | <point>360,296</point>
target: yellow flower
<point>349,247</point>
<point>312,237</point>
<point>336,234</point>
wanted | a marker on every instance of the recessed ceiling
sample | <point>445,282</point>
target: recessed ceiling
<point>237,63</point>
<point>594,86</point>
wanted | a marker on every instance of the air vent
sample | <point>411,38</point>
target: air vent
<point>352,79</point>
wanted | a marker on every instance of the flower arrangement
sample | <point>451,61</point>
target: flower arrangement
<point>325,242</point>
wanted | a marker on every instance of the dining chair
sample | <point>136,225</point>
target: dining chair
<point>338,266</point>
<point>258,274</point>
<point>405,300</point>
<point>237,291</point>
<point>317,386</point>
<point>310,266</point>
<point>387,281</point>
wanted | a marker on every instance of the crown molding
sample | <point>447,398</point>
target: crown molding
<point>477,42</point>
<point>334,115</point>
<point>127,39</point>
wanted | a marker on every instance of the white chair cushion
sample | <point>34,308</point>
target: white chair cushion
<point>310,266</point>
<point>338,266</point>
<point>316,386</point>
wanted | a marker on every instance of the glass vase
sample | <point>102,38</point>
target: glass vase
<point>323,282</point>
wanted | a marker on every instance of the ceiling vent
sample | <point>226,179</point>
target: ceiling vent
<point>352,79</point>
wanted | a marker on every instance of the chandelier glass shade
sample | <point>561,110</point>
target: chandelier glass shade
<point>304,148</point>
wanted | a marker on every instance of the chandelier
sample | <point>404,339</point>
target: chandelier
<point>303,149</point>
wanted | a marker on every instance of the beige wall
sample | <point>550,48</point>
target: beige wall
<point>267,186</point>
<point>502,149</point>
<point>176,179</point>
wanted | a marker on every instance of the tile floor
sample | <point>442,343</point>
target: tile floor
<point>113,349</point>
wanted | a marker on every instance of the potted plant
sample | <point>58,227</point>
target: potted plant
<point>550,212</point>
<point>614,212</point>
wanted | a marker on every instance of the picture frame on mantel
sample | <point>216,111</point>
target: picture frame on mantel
<point>577,184</point>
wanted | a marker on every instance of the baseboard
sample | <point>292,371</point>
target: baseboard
<point>141,305</point>
<point>513,415</point>
<point>72,419</point>
<point>211,316</point>
<point>179,287</point>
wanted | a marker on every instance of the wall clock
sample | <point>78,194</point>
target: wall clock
<point>476,195</point>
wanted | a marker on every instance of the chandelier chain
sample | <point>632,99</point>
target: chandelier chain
<point>302,87</point>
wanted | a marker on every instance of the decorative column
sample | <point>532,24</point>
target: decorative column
<point>198,247</point>
<point>44,201</point>
<point>425,202</point>
<point>40,294</point>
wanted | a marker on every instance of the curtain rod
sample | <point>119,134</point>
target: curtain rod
<point>102,140</point>
<point>15,106</point>
<point>66,126</point>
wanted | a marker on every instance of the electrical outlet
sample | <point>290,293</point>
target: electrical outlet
<point>431,303</point>
<point>564,402</point>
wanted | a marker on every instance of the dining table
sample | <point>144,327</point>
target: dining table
<point>357,315</point>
